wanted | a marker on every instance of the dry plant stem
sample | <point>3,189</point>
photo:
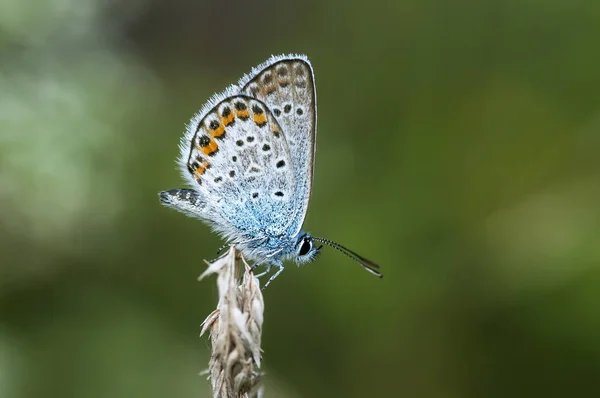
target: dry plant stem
<point>235,329</point>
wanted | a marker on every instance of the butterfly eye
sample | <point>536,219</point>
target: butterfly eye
<point>305,247</point>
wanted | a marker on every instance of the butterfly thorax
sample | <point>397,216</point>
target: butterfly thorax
<point>268,249</point>
<point>277,249</point>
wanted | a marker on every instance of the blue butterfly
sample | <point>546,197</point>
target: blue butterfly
<point>249,156</point>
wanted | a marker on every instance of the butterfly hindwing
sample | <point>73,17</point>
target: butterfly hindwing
<point>236,157</point>
<point>286,85</point>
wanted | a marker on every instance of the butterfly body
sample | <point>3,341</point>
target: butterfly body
<point>248,156</point>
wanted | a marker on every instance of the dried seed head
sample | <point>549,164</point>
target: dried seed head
<point>235,329</point>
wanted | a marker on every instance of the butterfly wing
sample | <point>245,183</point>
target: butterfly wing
<point>286,85</point>
<point>236,157</point>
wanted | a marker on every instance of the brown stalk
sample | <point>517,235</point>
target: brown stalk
<point>235,329</point>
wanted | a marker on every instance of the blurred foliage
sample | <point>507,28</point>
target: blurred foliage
<point>458,146</point>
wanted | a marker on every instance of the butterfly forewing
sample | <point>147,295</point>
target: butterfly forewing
<point>239,160</point>
<point>286,86</point>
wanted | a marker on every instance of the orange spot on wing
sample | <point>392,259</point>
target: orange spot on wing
<point>260,119</point>
<point>210,148</point>
<point>227,120</point>
<point>243,114</point>
<point>219,131</point>
<point>201,170</point>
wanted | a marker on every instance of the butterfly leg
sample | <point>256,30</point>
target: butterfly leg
<point>223,247</point>
<point>219,257</point>
<point>280,266</point>
<point>269,266</point>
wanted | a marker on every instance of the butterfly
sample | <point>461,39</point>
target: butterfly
<point>248,155</point>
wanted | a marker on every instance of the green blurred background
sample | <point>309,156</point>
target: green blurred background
<point>458,146</point>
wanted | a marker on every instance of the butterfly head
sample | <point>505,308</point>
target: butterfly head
<point>306,250</point>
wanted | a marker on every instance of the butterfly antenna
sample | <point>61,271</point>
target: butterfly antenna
<point>365,263</point>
